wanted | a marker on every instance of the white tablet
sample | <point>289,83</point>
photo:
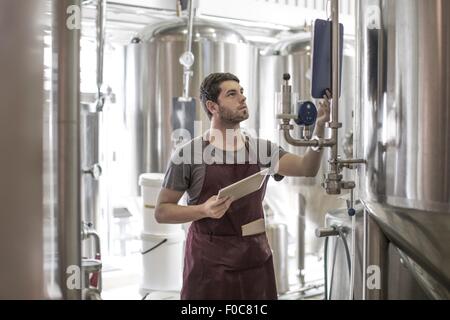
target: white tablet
<point>245,186</point>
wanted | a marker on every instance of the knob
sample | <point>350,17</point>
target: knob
<point>136,40</point>
<point>95,171</point>
<point>286,76</point>
<point>351,212</point>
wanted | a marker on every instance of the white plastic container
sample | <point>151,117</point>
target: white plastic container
<point>151,185</point>
<point>162,267</point>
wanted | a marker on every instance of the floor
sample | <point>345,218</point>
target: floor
<point>122,280</point>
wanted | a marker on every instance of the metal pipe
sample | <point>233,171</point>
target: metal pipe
<point>66,50</point>
<point>327,232</point>
<point>26,245</point>
<point>352,255</point>
<point>100,27</point>
<point>334,125</point>
<point>286,91</point>
<point>364,271</point>
<point>187,58</point>
<point>333,179</point>
<point>314,142</point>
<point>93,234</point>
<point>351,161</point>
<point>190,26</point>
<point>301,238</point>
<point>89,233</point>
<point>377,262</point>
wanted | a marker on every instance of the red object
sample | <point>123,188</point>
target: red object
<point>93,281</point>
<point>219,262</point>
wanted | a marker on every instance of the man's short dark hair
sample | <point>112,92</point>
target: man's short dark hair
<point>210,88</point>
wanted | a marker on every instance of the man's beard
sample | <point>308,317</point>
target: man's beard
<point>234,117</point>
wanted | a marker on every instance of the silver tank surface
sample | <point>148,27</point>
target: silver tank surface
<point>293,56</point>
<point>404,115</point>
<point>401,283</point>
<point>155,76</point>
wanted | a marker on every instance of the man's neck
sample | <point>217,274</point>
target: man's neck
<point>226,136</point>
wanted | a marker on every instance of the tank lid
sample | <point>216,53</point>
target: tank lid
<point>167,238</point>
<point>295,43</point>
<point>151,179</point>
<point>176,30</point>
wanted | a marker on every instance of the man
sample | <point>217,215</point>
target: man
<point>222,260</point>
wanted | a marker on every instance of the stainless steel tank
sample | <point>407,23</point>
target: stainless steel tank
<point>293,56</point>
<point>154,78</point>
<point>401,283</point>
<point>404,126</point>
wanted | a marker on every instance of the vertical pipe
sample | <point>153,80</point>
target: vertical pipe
<point>377,255</point>
<point>100,27</point>
<point>353,260</point>
<point>364,271</point>
<point>301,237</point>
<point>336,83</point>
<point>21,145</point>
<point>190,26</point>
<point>188,55</point>
<point>66,82</point>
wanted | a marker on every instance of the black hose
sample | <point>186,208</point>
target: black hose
<point>333,268</point>
<point>347,255</point>
<point>347,252</point>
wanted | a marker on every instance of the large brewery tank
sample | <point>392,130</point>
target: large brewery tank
<point>404,115</point>
<point>401,284</point>
<point>155,78</point>
<point>293,55</point>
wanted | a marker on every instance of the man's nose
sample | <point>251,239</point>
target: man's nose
<point>243,98</point>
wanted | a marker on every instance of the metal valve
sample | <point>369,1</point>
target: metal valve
<point>326,232</point>
<point>95,171</point>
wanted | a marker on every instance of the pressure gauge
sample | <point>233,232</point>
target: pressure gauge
<point>306,113</point>
<point>187,59</point>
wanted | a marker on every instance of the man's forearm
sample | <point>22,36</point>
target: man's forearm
<point>174,213</point>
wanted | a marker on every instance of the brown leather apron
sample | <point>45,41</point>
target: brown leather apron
<point>219,262</point>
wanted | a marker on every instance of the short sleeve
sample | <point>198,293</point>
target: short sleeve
<point>178,173</point>
<point>277,153</point>
<point>269,155</point>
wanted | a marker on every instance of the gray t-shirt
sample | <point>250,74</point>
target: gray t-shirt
<point>187,166</point>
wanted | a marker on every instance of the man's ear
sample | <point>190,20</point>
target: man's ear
<point>212,107</point>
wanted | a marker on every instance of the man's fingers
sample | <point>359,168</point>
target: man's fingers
<point>218,213</point>
<point>220,210</point>
<point>223,206</point>
<point>220,201</point>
